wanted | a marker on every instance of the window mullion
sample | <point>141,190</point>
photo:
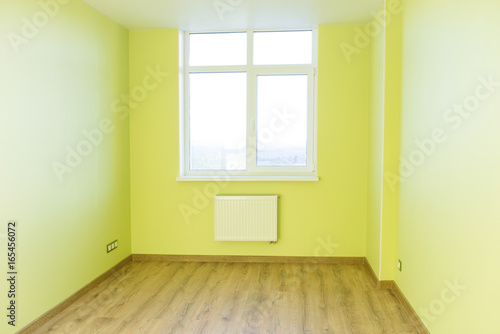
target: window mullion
<point>250,48</point>
<point>216,69</point>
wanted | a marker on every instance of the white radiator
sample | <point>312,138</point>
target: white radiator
<point>246,218</point>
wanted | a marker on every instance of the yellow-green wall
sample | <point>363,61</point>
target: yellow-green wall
<point>449,218</point>
<point>376,152</point>
<point>392,135</point>
<point>325,218</point>
<point>384,138</point>
<point>60,82</point>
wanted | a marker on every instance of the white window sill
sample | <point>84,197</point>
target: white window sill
<point>248,178</point>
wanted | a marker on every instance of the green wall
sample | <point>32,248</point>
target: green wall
<point>325,218</point>
<point>376,153</point>
<point>384,138</point>
<point>392,135</point>
<point>61,81</point>
<point>449,219</point>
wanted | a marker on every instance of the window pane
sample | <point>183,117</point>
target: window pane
<point>282,120</point>
<point>217,49</point>
<point>282,47</point>
<point>217,133</point>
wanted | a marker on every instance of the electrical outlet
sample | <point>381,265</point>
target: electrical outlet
<point>111,246</point>
<point>400,265</point>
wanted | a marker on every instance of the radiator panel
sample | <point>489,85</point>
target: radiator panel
<point>246,218</point>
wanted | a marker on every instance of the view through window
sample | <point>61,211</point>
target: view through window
<point>249,104</point>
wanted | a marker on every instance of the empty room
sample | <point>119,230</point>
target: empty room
<point>250,166</point>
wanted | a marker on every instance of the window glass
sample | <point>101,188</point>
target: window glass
<point>217,110</point>
<point>221,49</point>
<point>282,120</point>
<point>282,48</point>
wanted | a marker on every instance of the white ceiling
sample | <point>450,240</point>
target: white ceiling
<point>193,15</point>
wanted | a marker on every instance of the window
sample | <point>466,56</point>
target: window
<point>249,104</point>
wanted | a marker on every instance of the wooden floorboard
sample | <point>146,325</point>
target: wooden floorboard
<point>211,297</point>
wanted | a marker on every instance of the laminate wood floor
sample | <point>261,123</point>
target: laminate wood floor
<point>195,297</point>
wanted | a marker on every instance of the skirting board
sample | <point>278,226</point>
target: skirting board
<point>382,285</point>
<point>417,322</point>
<point>47,316</point>
<point>245,259</point>
<point>391,285</point>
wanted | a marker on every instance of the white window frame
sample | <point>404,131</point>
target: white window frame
<point>278,173</point>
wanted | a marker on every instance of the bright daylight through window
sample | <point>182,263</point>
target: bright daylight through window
<point>249,104</point>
